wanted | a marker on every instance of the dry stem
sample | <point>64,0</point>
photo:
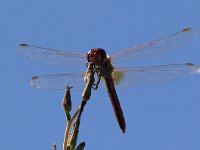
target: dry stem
<point>68,128</point>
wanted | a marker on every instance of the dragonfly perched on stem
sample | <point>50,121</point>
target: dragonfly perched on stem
<point>104,69</point>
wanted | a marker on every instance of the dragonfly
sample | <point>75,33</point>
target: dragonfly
<point>107,74</point>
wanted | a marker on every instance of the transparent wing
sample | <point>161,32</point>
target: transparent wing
<point>51,55</point>
<point>59,81</point>
<point>138,76</point>
<point>160,46</point>
<point>141,76</point>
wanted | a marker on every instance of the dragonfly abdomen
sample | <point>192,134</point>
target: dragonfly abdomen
<point>115,102</point>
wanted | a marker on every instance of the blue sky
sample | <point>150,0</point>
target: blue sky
<point>161,117</point>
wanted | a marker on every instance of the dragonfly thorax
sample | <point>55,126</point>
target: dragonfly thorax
<point>96,55</point>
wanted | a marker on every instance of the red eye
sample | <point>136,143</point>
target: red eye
<point>94,56</point>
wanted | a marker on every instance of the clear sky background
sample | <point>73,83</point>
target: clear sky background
<point>161,117</point>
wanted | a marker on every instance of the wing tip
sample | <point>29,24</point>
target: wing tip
<point>192,30</point>
<point>21,46</point>
<point>187,29</point>
<point>33,79</point>
<point>190,64</point>
<point>196,68</point>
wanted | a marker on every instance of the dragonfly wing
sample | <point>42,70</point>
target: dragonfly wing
<point>59,81</point>
<point>126,77</point>
<point>51,55</point>
<point>141,76</point>
<point>157,47</point>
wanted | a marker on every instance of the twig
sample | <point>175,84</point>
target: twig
<point>68,128</point>
<point>54,146</point>
<point>89,78</point>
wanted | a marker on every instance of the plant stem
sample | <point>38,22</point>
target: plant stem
<point>69,123</point>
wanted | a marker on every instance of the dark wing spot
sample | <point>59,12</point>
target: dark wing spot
<point>23,45</point>
<point>35,78</point>
<point>187,29</point>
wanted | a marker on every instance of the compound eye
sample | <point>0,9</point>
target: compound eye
<point>93,56</point>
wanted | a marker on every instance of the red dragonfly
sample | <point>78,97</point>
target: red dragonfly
<point>113,76</point>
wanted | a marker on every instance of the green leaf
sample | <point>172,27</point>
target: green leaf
<point>81,146</point>
<point>74,134</point>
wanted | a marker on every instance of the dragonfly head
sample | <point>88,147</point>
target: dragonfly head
<point>96,55</point>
